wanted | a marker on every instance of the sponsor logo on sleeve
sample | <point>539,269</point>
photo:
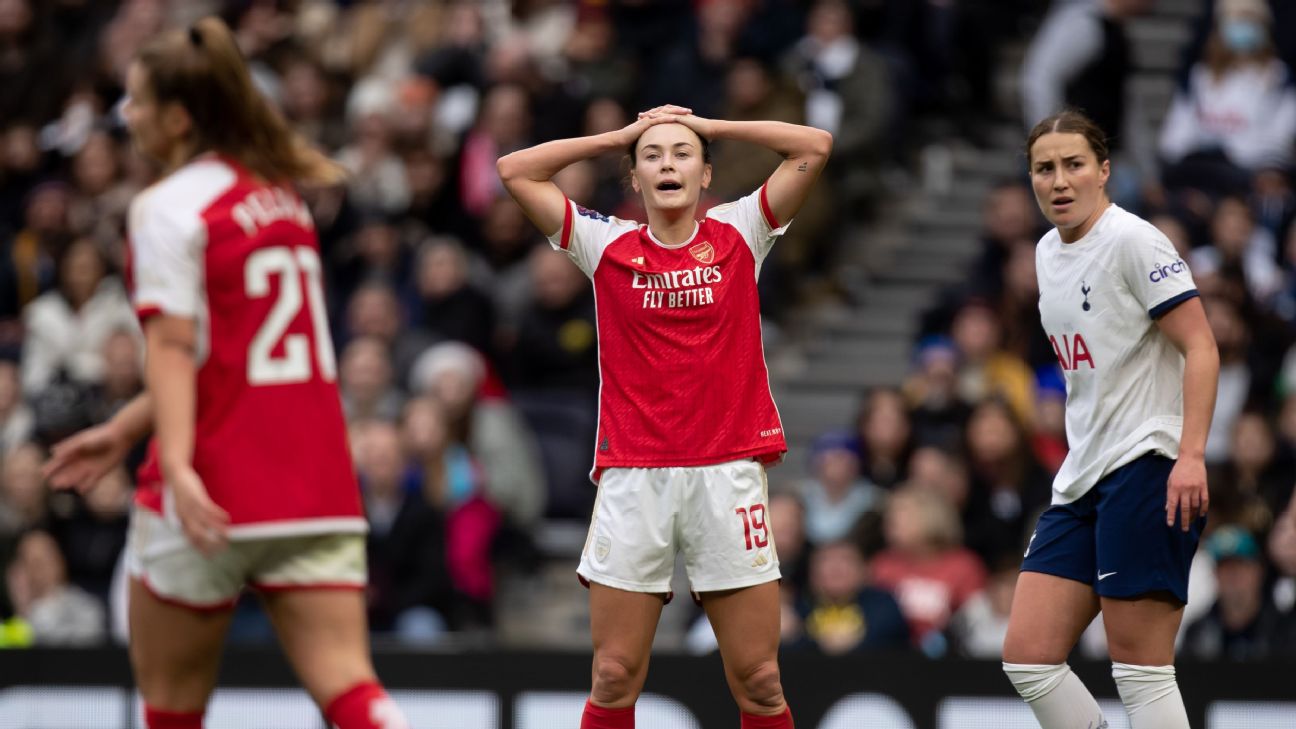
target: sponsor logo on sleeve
<point>592,214</point>
<point>1161,272</point>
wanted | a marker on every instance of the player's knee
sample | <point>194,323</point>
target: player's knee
<point>1031,652</point>
<point>615,679</point>
<point>1035,681</point>
<point>762,685</point>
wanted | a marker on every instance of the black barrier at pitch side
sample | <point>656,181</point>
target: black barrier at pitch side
<point>508,690</point>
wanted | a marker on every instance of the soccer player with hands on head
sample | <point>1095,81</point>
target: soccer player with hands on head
<point>1129,502</point>
<point>686,419</point>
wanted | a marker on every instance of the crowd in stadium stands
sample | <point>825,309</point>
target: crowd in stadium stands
<point>469,353</point>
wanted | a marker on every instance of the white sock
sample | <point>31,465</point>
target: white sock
<point>1151,696</point>
<point>1056,695</point>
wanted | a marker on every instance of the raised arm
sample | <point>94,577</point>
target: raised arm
<point>804,149</point>
<point>528,173</point>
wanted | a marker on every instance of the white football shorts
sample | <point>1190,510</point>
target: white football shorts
<point>173,570</point>
<point>716,515</point>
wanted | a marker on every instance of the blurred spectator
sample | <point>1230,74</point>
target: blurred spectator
<point>1009,217</point>
<point>28,267</point>
<point>979,627</point>
<point>24,499</point>
<point>1049,439</point>
<point>836,497</point>
<point>489,426</point>
<point>926,566</point>
<point>410,589</point>
<point>1240,248</point>
<point>447,305</point>
<point>1253,486</point>
<point>98,210</point>
<point>59,613</point>
<point>432,202</point>
<point>885,436</point>
<point>365,380</point>
<point>942,473</point>
<point>377,180</point>
<point>67,327</point>
<point>375,253</point>
<point>843,612</point>
<point>612,171</point>
<point>787,525</point>
<point>503,126</point>
<point>938,413</point>
<point>1243,624</point>
<point>373,311</point>
<point>1237,113</point>
<point>308,101</point>
<point>597,64</point>
<point>848,92</point>
<point>16,421</point>
<point>30,73</point>
<point>507,240</point>
<point>555,347</point>
<point>985,369</point>
<point>91,531</point>
<point>123,373</point>
<point>551,364</point>
<point>1174,229</point>
<point>1019,309</point>
<point>1009,488</point>
<point>1232,336</point>
<point>1081,58</point>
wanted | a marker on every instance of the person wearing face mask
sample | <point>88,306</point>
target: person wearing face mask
<point>1236,113</point>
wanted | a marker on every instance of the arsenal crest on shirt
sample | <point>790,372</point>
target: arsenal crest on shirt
<point>703,252</point>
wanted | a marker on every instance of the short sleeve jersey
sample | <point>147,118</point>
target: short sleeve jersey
<point>240,257</point>
<point>681,360</point>
<point>1100,298</point>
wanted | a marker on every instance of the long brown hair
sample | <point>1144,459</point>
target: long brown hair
<point>202,69</point>
<point>1071,121</point>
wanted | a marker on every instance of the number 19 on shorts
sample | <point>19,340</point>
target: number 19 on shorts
<point>755,532</point>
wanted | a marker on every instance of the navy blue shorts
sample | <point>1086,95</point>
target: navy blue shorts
<point>1115,537</point>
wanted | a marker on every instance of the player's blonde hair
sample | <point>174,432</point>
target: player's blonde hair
<point>202,70</point>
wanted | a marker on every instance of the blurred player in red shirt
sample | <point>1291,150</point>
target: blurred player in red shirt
<point>686,419</point>
<point>249,480</point>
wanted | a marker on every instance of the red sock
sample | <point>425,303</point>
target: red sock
<point>779,721</point>
<point>365,706</point>
<point>601,717</point>
<point>158,719</point>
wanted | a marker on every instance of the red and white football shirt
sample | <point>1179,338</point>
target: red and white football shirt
<point>239,256</point>
<point>683,376</point>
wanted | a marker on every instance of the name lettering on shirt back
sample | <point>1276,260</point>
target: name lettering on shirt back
<point>267,205</point>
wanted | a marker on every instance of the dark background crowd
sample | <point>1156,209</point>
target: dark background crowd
<point>468,349</point>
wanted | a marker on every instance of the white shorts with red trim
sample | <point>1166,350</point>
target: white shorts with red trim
<point>162,558</point>
<point>715,515</point>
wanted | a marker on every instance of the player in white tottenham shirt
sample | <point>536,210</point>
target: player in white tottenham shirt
<point>686,419</point>
<point>1122,313</point>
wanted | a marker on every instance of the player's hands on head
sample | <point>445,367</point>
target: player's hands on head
<point>205,524</point>
<point>635,129</point>
<point>682,115</point>
<point>82,460</point>
<point>1187,497</point>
